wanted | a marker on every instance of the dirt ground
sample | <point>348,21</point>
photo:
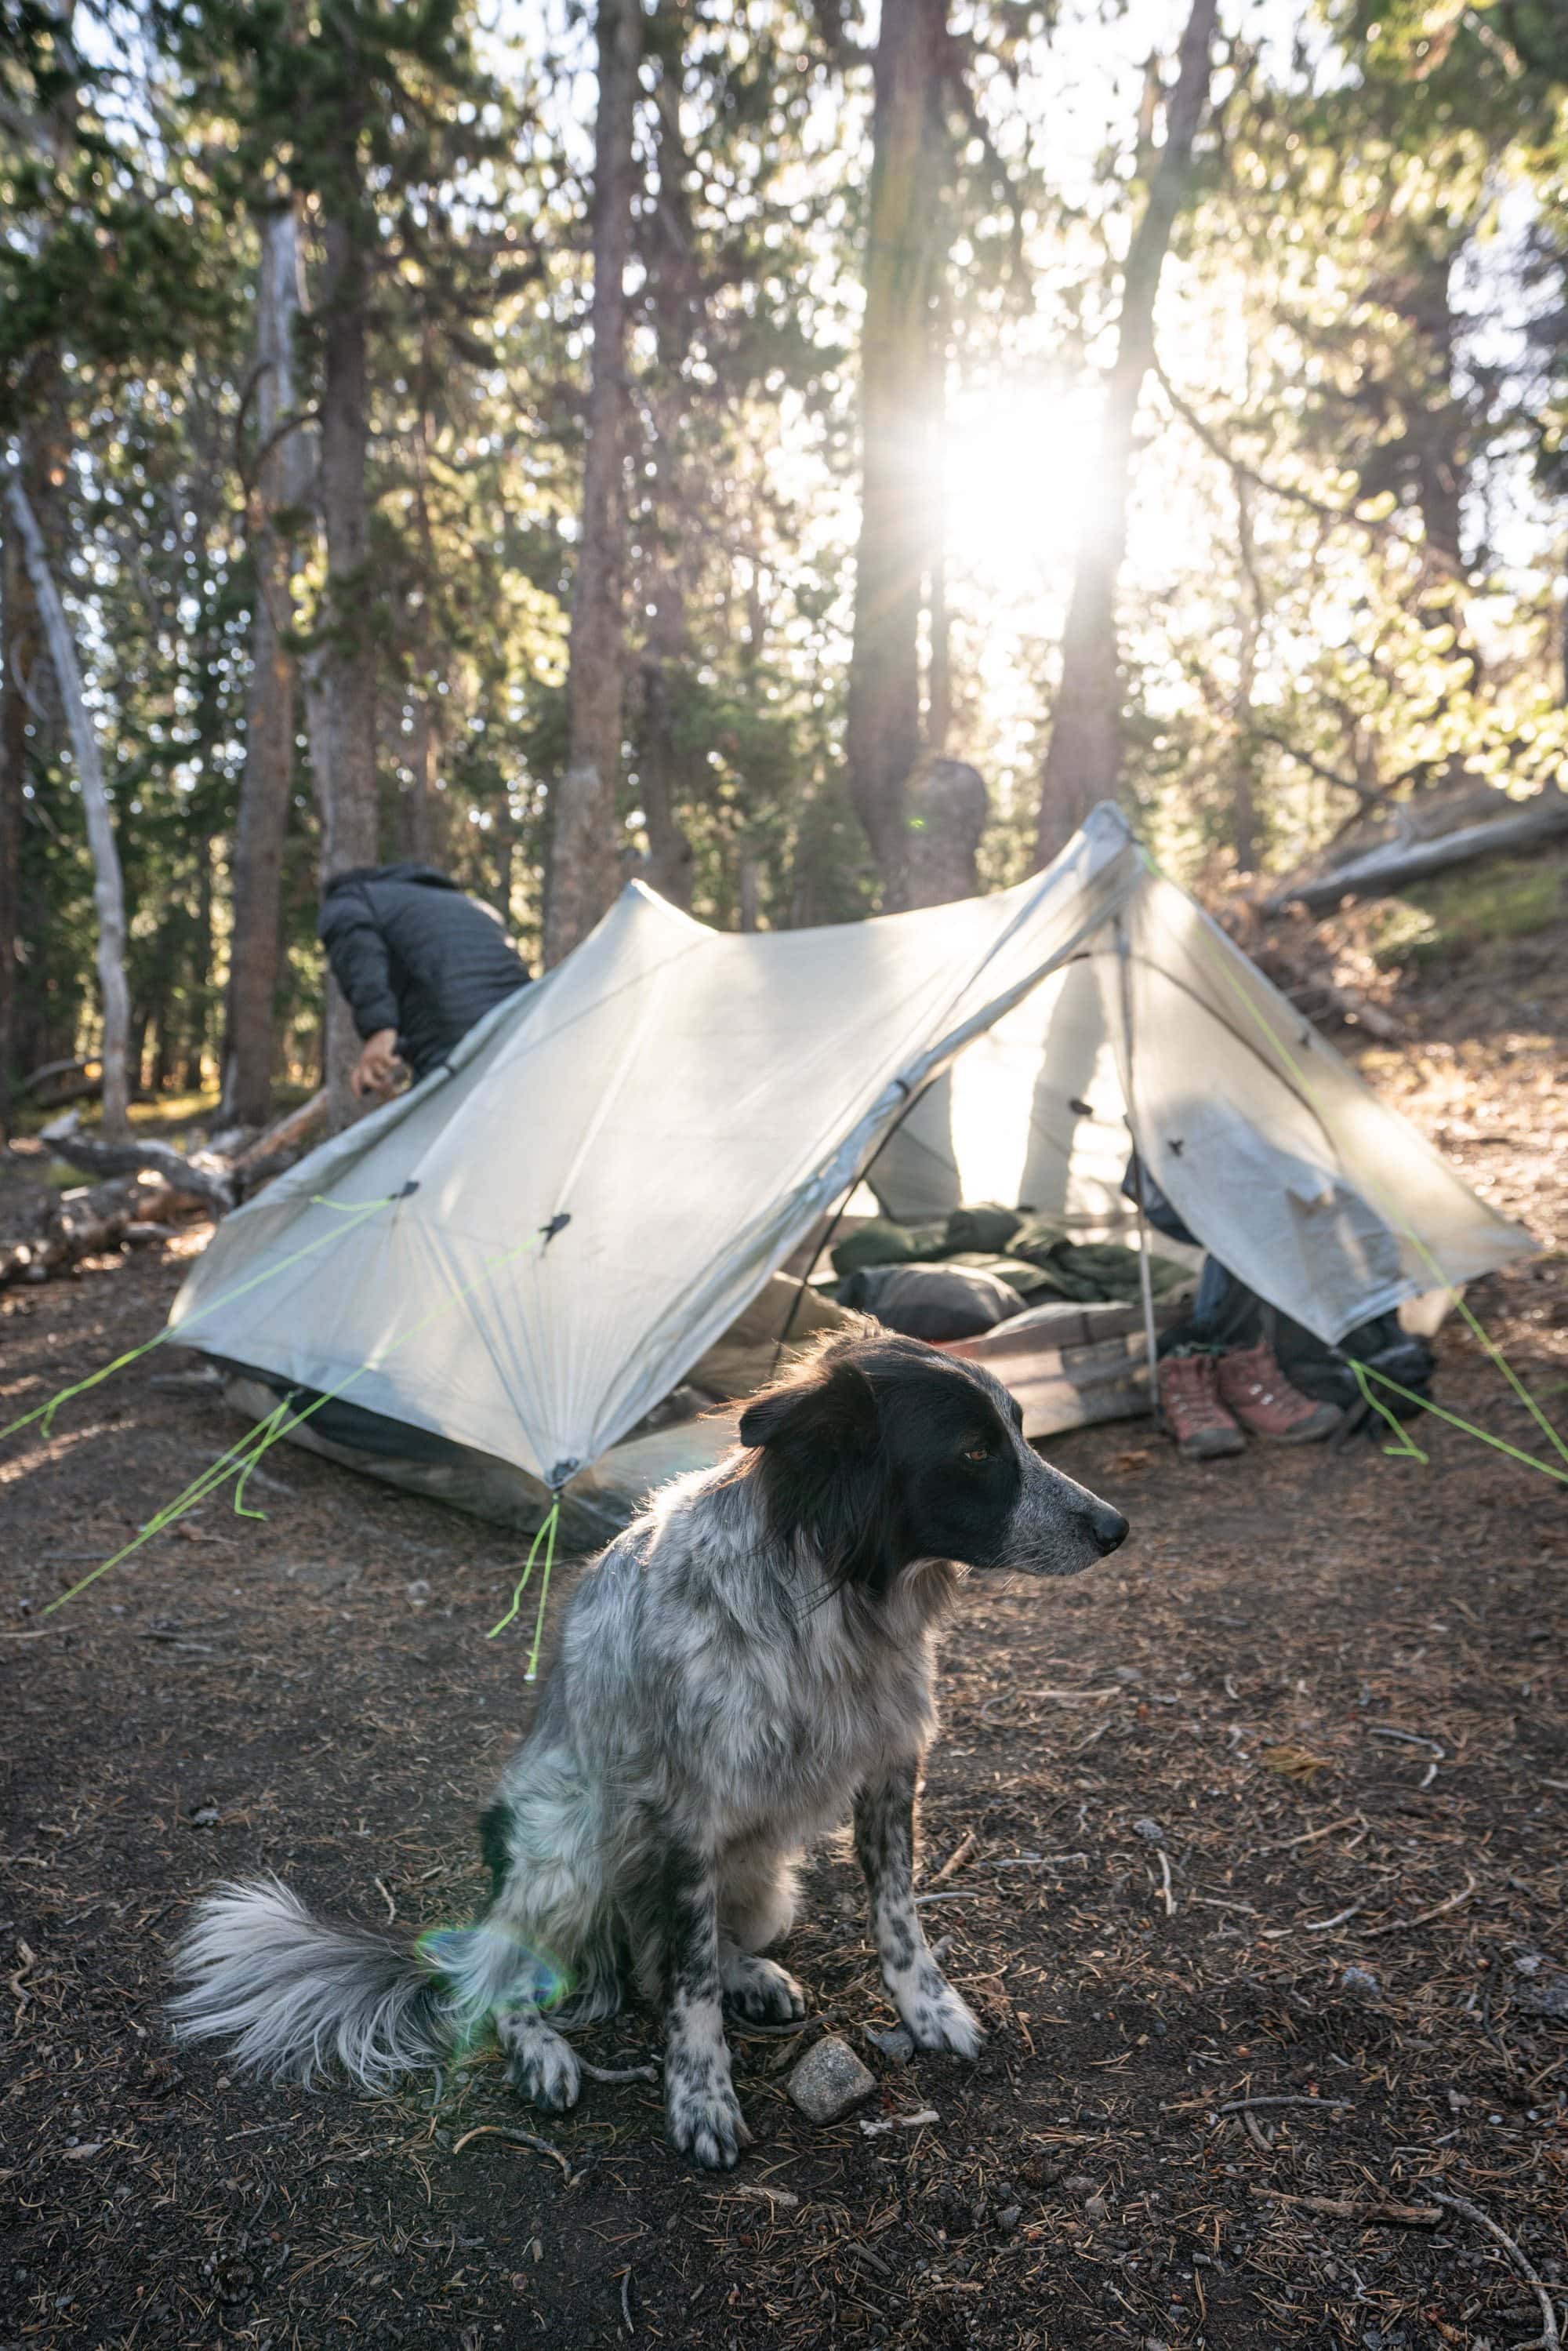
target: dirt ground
<point>1271,1808</point>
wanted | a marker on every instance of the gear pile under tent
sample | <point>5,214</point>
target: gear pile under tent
<point>617,1161</point>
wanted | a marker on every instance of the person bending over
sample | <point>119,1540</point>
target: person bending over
<point>419,962</point>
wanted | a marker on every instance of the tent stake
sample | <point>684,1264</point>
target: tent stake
<point>1146,1279</point>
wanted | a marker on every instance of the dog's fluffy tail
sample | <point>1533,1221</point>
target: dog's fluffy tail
<point>291,1992</point>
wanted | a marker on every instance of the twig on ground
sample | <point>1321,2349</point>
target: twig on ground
<point>1034,1861</point>
<point>901,2122</point>
<point>626,2300</point>
<point>618,2072</point>
<point>1298,2098</point>
<point>1548,2338</point>
<point>1320,1925</point>
<point>958,1857</point>
<point>1311,1836</point>
<point>1425,1918</point>
<point>514,2137</point>
<point>386,1898</point>
<point>1166,1883</point>
<point>1383,2210</point>
<point>1406,1738</point>
<point>1062,1697</point>
<point>1264,2141</point>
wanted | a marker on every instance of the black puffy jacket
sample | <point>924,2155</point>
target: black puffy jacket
<point>411,952</point>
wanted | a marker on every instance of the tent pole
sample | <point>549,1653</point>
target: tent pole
<point>1146,1279</point>
<point>911,1097</point>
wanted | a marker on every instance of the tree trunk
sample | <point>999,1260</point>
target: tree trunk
<point>262,822</point>
<point>676,300</point>
<point>341,680</point>
<point>584,863</point>
<point>109,889</point>
<point>198,1000</point>
<point>23,666</point>
<point>948,808</point>
<point>898,529</point>
<point>1244,752</point>
<point>1084,760</point>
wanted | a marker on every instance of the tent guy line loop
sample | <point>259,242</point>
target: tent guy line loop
<point>358,1210</point>
<point>1401,1224</point>
<point>244,1456</point>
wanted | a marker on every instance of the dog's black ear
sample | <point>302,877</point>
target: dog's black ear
<point>825,1473</point>
<point>833,1406</point>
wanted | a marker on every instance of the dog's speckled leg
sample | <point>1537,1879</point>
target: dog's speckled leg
<point>538,2061</point>
<point>704,2113</point>
<point>884,1839</point>
<point>760,1989</point>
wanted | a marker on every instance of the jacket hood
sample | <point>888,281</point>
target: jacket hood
<point>407,869</point>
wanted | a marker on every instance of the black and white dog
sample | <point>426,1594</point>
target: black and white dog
<point>749,1663</point>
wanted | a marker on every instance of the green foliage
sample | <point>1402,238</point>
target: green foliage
<point>1505,898</point>
<point>1342,554</point>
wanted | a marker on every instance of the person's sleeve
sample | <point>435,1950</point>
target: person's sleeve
<point>361,965</point>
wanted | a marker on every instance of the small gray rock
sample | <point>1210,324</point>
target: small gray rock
<point>829,2080</point>
<point>1546,1996</point>
<point>1151,1830</point>
<point>1008,2221</point>
<point>898,2044</point>
<point>1080,2186</point>
<point>1361,1979</point>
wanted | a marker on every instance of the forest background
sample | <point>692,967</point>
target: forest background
<point>804,458</point>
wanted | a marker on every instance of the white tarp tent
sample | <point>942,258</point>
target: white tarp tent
<point>620,1156</point>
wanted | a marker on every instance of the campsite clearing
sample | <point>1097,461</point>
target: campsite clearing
<point>1270,1808</point>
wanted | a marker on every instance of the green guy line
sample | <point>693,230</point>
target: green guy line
<point>358,1210</point>
<point>245,1455</point>
<point>1466,1315</point>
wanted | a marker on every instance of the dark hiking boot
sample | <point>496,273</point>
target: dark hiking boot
<point>1262,1399</point>
<point>1189,1401</point>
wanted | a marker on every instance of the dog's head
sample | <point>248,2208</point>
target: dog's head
<point>884,1453</point>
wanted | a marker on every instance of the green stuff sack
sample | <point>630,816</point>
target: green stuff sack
<point>988,1228</point>
<point>882,1242</point>
<point>1036,1237</point>
<point>1032,1282</point>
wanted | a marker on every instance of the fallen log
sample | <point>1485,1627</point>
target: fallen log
<point>57,1229</point>
<point>209,1183</point>
<point>1384,871</point>
<point>284,1134</point>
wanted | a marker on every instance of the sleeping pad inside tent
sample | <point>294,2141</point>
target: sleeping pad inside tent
<point>509,1267</point>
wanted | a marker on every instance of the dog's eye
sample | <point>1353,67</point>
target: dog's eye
<point>976,1453</point>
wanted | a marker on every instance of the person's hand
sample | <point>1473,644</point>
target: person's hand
<point>376,1070</point>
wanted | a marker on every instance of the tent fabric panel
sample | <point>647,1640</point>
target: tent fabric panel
<point>1270,1147</point>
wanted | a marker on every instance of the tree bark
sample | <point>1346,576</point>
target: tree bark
<point>1244,750</point>
<point>24,662</point>
<point>584,863</point>
<point>109,888</point>
<point>1084,758</point>
<point>676,300</point>
<point>283,482</point>
<point>341,680</point>
<point>947,809</point>
<point>894,557</point>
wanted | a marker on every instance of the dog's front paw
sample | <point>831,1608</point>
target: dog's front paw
<point>761,1991</point>
<point>706,2123</point>
<point>543,2066</point>
<point>938,2018</point>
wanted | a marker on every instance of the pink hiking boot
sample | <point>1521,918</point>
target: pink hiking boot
<point>1262,1399</point>
<point>1189,1402</point>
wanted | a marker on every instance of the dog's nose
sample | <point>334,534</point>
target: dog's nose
<point>1108,1527</point>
